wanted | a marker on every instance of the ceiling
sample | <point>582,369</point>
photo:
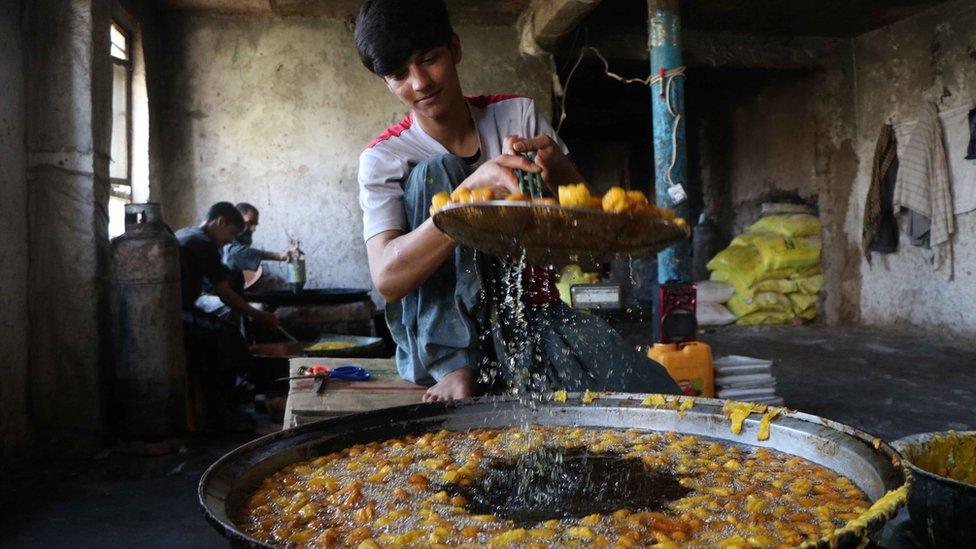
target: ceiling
<point>479,12</point>
<point>836,18</point>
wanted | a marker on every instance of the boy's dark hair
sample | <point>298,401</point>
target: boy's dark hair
<point>246,208</point>
<point>227,211</point>
<point>388,32</point>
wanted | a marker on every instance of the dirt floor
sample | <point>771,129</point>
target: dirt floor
<point>888,383</point>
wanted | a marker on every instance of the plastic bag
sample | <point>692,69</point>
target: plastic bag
<point>781,285</point>
<point>809,285</point>
<point>713,314</point>
<point>782,252</point>
<point>802,302</point>
<point>766,317</point>
<point>571,276</point>
<point>787,225</point>
<point>742,263</point>
<point>809,313</point>
<point>806,272</point>
<point>748,288</point>
<point>771,301</point>
<point>710,291</point>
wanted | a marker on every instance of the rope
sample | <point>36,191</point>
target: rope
<point>666,80</point>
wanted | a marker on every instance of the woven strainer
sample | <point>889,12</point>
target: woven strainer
<point>553,235</point>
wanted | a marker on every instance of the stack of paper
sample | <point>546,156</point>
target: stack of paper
<point>746,378</point>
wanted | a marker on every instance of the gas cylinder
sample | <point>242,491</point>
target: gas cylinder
<point>147,339</point>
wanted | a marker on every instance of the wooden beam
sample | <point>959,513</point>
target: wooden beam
<point>546,21</point>
<point>712,49</point>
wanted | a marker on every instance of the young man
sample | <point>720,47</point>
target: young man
<point>443,308</point>
<point>214,345</point>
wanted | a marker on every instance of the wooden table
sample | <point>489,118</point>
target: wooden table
<point>385,389</point>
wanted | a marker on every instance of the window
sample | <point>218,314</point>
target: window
<point>120,166</point>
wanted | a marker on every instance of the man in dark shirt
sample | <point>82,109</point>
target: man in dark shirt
<point>216,352</point>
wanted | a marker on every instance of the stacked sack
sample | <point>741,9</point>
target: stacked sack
<point>775,270</point>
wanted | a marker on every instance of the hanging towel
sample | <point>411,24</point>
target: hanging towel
<point>971,150</point>
<point>922,185</point>
<point>958,126</point>
<point>880,229</point>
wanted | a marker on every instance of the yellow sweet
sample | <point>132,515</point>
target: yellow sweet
<point>574,196</point>
<point>615,201</point>
<point>764,422</point>
<point>438,201</point>
<point>482,195</point>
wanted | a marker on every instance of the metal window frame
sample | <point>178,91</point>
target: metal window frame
<point>127,63</point>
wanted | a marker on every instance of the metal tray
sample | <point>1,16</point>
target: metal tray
<point>363,345</point>
<point>554,235</point>
<point>870,463</point>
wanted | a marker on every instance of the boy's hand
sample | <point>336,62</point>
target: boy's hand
<point>557,168</point>
<point>497,174</point>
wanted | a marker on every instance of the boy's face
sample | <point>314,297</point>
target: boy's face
<point>428,83</point>
<point>223,231</point>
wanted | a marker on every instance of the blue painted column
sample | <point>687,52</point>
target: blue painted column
<point>664,27</point>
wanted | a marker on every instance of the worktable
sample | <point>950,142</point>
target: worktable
<point>384,390</point>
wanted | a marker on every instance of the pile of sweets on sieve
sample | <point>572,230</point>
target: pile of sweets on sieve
<point>617,200</point>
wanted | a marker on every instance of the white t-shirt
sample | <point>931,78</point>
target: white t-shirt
<point>388,159</point>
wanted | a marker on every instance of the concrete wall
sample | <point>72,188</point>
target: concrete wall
<point>275,112</point>
<point>14,432</point>
<point>928,57</point>
<point>67,138</point>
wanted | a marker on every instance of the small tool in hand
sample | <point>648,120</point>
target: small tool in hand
<point>530,184</point>
<point>288,335</point>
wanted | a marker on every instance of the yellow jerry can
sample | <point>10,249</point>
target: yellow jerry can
<point>690,364</point>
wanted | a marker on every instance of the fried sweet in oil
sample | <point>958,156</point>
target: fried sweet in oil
<point>408,492</point>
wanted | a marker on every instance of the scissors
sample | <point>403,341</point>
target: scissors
<point>321,374</point>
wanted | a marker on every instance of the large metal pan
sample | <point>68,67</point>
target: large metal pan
<point>554,235</point>
<point>867,461</point>
<point>941,508</point>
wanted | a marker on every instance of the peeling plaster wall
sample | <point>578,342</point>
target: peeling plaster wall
<point>922,58</point>
<point>14,432</point>
<point>275,112</point>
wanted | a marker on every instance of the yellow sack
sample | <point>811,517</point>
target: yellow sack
<point>802,302</point>
<point>782,252</point>
<point>809,313</point>
<point>766,317</point>
<point>809,285</point>
<point>740,283</point>
<point>741,262</point>
<point>769,281</point>
<point>571,276</point>
<point>787,225</point>
<point>780,285</point>
<point>806,272</point>
<point>771,301</point>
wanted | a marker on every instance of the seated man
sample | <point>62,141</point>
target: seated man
<point>214,346</point>
<point>239,256</point>
<point>451,316</point>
